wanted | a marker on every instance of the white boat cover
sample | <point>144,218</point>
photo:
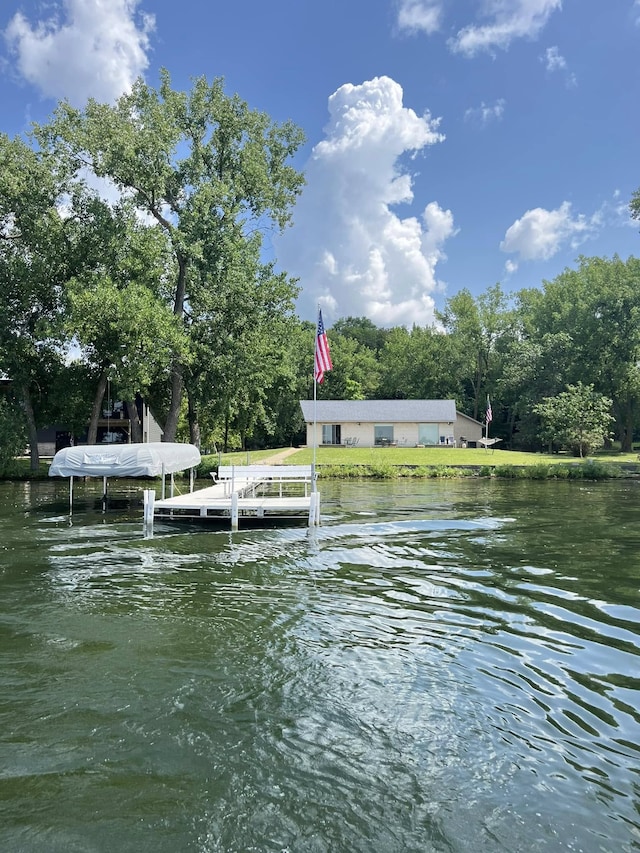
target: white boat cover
<point>124,460</point>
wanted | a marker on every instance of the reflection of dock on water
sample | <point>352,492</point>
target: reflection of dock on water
<point>246,492</point>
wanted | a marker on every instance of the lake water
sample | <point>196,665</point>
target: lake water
<point>442,666</point>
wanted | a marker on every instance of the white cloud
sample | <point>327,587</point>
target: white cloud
<point>97,50</point>
<point>353,253</point>
<point>510,267</point>
<point>420,15</point>
<point>507,20</point>
<point>486,113</point>
<point>554,61</point>
<point>539,234</point>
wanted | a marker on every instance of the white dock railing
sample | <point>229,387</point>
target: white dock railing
<point>247,478</point>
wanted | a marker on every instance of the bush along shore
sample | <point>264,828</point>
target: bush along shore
<point>588,470</point>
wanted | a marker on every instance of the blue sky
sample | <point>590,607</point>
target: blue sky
<point>450,143</point>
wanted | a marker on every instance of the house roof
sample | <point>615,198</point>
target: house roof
<point>379,411</point>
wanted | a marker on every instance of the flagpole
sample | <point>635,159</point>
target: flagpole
<point>321,363</point>
<point>315,426</point>
<point>315,408</point>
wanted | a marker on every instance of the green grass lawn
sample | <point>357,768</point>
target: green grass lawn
<point>437,456</point>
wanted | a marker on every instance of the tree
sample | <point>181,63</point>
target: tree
<point>12,431</point>
<point>202,165</point>
<point>579,417</point>
<point>35,258</point>
<point>418,364</point>
<point>477,327</point>
<point>362,330</point>
<point>597,306</point>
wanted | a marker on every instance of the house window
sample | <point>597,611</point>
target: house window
<point>427,433</point>
<point>331,434</point>
<point>382,434</point>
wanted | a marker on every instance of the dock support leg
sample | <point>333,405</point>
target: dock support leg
<point>313,501</point>
<point>148,501</point>
<point>234,511</point>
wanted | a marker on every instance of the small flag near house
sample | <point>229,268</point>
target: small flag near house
<point>323,356</point>
<point>489,415</point>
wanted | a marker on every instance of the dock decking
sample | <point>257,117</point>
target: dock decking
<point>248,492</point>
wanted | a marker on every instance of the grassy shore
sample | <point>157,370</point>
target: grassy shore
<point>405,462</point>
<point>391,462</point>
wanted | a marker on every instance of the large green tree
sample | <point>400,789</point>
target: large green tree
<point>478,328</point>
<point>202,165</point>
<point>37,252</point>
<point>418,363</point>
<point>594,311</point>
<point>578,417</point>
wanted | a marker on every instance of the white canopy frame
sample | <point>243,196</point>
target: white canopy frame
<point>154,459</point>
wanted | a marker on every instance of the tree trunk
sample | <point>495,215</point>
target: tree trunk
<point>32,430</point>
<point>134,420</point>
<point>627,434</point>
<point>92,433</point>
<point>194,424</point>
<point>177,385</point>
<point>177,381</point>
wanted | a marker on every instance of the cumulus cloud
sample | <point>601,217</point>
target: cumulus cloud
<point>539,234</point>
<point>95,49</point>
<point>506,20</point>
<point>354,254</point>
<point>486,113</point>
<point>420,15</point>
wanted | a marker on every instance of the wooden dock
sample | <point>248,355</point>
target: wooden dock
<point>247,492</point>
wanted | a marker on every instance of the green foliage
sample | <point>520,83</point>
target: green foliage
<point>508,472</point>
<point>214,175</point>
<point>12,435</point>
<point>578,418</point>
<point>541,472</point>
<point>585,325</point>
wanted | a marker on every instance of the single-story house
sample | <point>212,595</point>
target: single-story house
<point>380,423</point>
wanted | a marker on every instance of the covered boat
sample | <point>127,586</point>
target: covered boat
<point>155,459</point>
<point>124,460</point>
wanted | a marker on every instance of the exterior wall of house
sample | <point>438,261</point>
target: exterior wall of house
<point>467,431</point>
<point>151,429</point>
<point>363,434</point>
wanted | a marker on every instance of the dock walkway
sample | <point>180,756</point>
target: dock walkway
<point>249,492</point>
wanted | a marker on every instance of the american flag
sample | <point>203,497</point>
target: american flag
<point>489,415</point>
<point>323,356</point>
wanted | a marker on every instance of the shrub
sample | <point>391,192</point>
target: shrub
<point>508,472</point>
<point>561,472</point>
<point>541,471</point>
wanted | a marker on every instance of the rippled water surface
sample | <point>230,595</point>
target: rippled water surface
<point>442,666</point>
